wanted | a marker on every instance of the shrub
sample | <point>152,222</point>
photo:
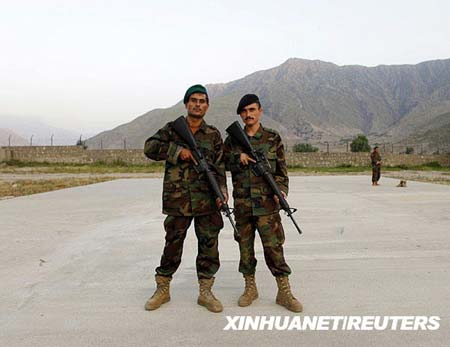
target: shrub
<point>409,150</point>
<point>360,144</point>
<point>304,147</point>
<point>81,143</point>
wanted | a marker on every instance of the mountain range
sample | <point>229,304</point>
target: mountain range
<point>21,131</point>
<point>9,137</point>
<point>315,101</point>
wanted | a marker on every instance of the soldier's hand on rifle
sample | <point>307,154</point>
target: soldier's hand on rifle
<point>186,155</point>
<point>278,200</point>
<point>245,159</point>
<point>219,202</point>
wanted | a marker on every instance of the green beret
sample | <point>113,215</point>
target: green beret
<point>198,88</point>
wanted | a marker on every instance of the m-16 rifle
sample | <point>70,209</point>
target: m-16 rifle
<point>260,167</point>
<point>181,127</point>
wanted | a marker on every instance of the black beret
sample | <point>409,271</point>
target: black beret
<point>198,88</point>
<point>246,100</point>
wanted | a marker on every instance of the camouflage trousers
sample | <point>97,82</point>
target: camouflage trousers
<point>272,236</point>
<point>207,230</point>
<point>376,173</point>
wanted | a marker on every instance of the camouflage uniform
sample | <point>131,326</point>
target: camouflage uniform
<point>255,207</point>
<point>376,168</point>
<point>187,196</point>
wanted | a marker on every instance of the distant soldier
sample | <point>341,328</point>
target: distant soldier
<point>187,197</point>
<point>256,207</point>
<point>375,159</point>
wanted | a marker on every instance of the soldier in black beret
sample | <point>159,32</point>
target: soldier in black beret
<point>255,206</point>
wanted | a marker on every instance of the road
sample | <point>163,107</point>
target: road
<point>76,266</point>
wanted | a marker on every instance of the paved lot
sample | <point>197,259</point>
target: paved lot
<point>76,266</point>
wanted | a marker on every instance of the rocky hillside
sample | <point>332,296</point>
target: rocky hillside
<point>432,137</point>
<point>314,101</point>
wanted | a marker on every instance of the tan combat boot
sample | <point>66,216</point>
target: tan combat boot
<point>250,291</point>
<point>161,294</point>
<point>206,297</point>
<point>285,297</point>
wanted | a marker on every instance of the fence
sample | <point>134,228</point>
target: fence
<point>324,146</point>
<point>52,140</point>
<point>392,148</point>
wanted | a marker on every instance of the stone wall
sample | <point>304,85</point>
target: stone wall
<point>71,154</point>
<point>51,154</point>
<point>320,159</point>
<point>79,155</point>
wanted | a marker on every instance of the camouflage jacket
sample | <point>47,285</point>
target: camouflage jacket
<point>185,192</point>
<point>252,195</point>
<point>374,158</point>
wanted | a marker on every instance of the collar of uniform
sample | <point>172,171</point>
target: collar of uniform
<point>259,133</point>
<point>203,127</point>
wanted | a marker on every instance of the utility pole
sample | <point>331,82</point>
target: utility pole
<point>31,140</point>
<point>51,140</point>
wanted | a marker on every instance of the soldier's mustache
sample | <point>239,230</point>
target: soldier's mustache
<point>247,118</point>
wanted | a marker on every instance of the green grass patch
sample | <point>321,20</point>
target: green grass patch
<point>348,168</point>
<point>338,169</point>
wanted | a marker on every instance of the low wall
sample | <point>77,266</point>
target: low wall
<point>320,159</point>
<point>71,154</point>
<point>51,154</point>
<point>79,155</point>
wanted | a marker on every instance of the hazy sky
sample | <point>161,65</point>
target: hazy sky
<point>96,64</point>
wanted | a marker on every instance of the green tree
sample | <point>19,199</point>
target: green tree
<point>360,144</point>
<point>304,147</point>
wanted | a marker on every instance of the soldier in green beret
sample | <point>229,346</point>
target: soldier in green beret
<point>187,197</point>
<point>256,207</point>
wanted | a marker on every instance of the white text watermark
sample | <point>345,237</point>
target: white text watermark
<point>332,323</point>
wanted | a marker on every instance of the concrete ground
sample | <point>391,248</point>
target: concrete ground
<point>76,266</point>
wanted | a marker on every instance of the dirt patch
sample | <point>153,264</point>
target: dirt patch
<point>10,177</point>
<point>22,187</point>
<point>439,177</point>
